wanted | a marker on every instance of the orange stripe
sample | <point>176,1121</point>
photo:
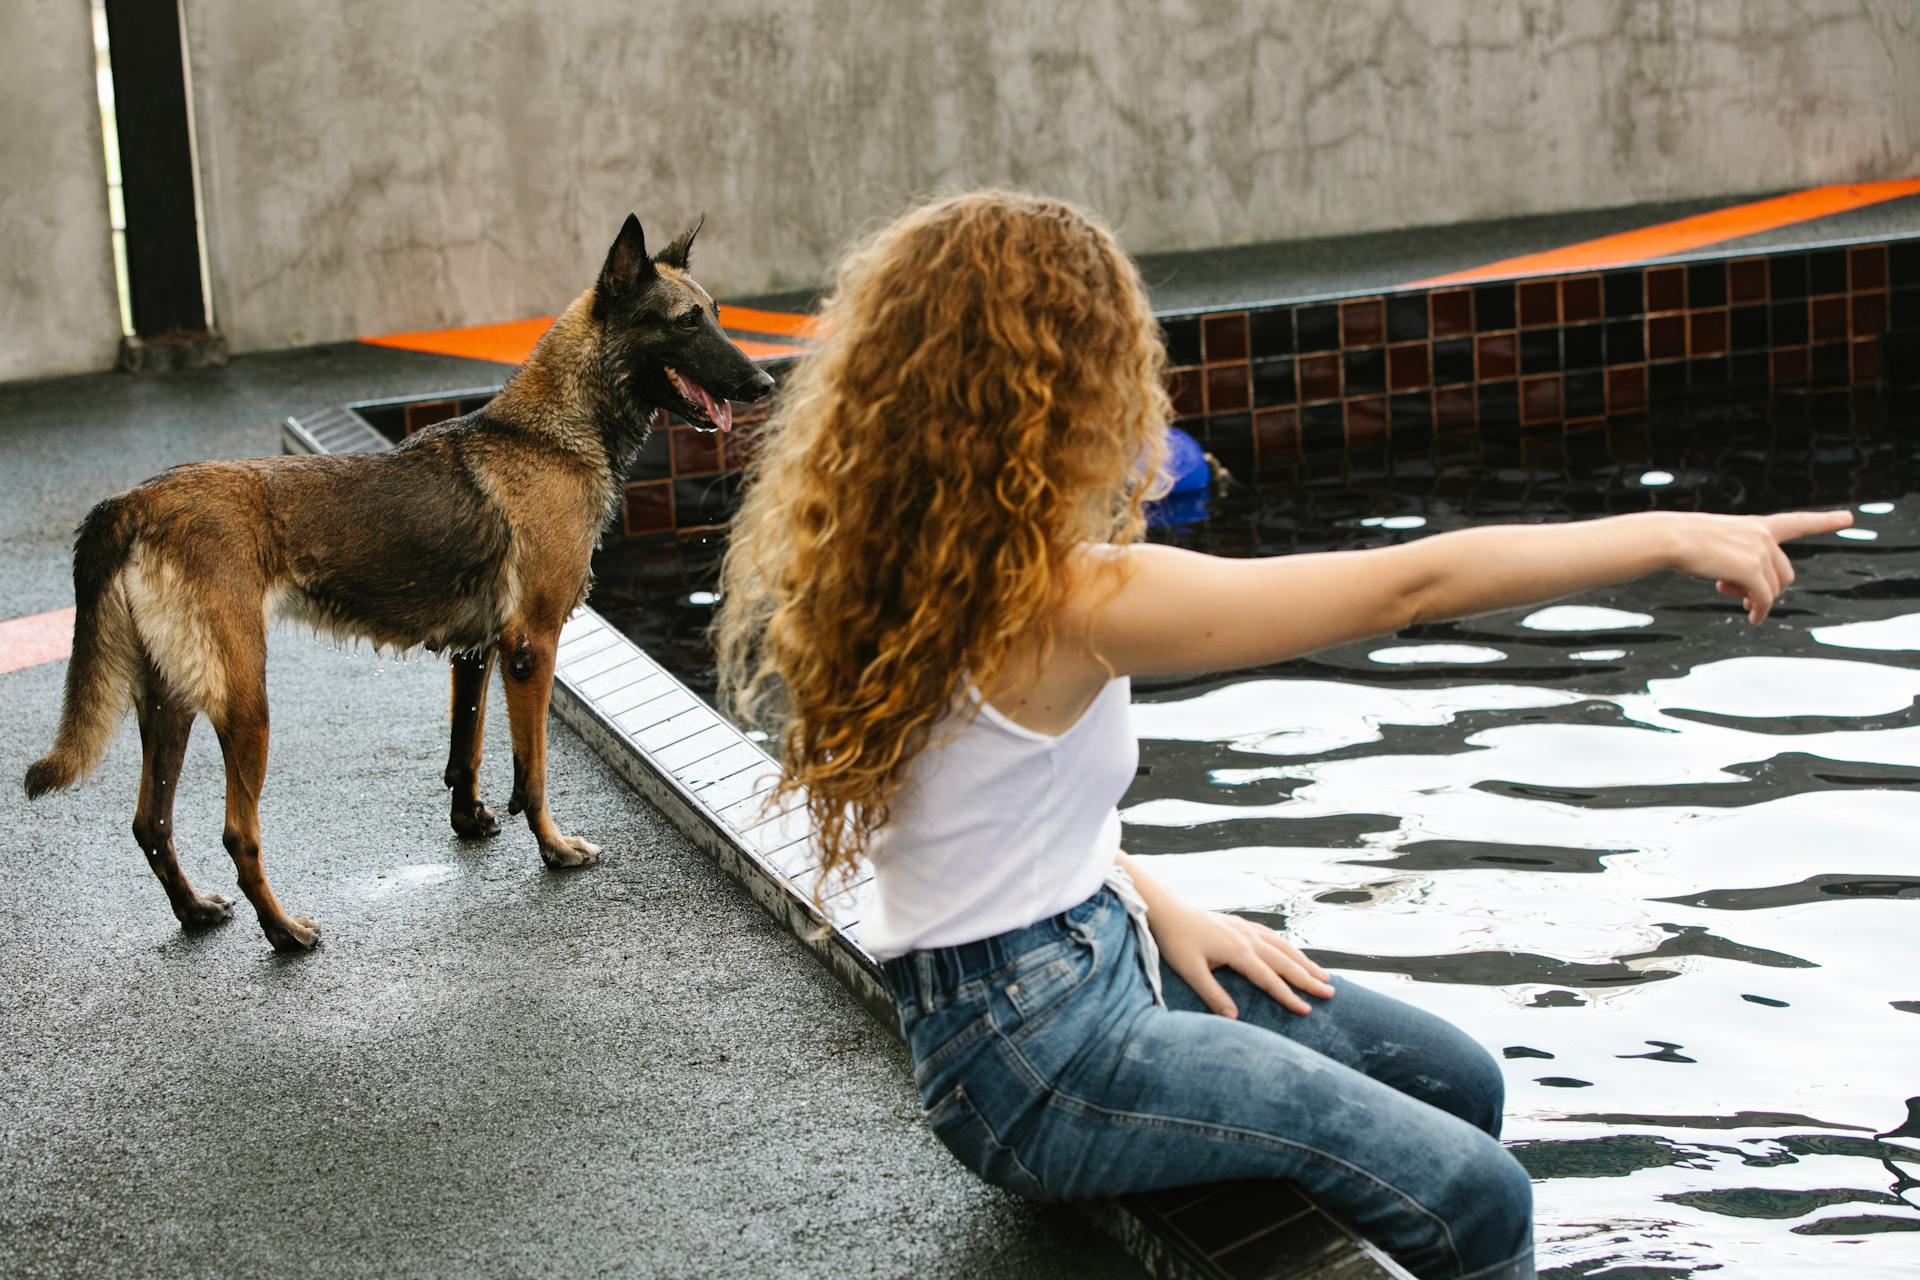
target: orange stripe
<point>513,341</point>
<point>790,324</point>
<point>1668,238</point>
<point>508,343</point>
<point>38,638</point>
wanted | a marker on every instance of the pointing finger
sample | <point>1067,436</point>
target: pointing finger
<point>1788,525</point>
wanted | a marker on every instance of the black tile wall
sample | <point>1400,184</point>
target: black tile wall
<point>1553,351</point>
<point>1267,388</point>
<point>1366,371</point>
<point>1582,347</point>
<point>1625,295</point>
<point>1493,307</point>
<point>1406,317</point>
<point>1271,332</point>
<point>1317,328</point>
<point>1453,361</point>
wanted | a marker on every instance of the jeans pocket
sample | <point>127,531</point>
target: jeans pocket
<point>944,1036</point>
<point>962,1131</point>
<point>1039,987</point>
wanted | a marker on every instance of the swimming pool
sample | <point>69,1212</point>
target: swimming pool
<point>1658,860</point>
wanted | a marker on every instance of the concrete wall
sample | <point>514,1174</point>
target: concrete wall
<point>59,311</point>
<point>373,165</point>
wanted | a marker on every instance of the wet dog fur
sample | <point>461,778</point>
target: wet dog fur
<point>471,538</point>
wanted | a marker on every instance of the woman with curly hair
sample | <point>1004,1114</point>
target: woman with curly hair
<point>934,597</point>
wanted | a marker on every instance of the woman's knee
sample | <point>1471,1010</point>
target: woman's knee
<point>1475,1215</point>
<point>1454,1072</point>
<point>1482,1087</point>
<point>1495,1225</point>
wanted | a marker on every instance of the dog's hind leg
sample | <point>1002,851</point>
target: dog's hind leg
<point>471,817</point>
<point>165,723</point>
<point>242,726</point>
<point>528,657</point>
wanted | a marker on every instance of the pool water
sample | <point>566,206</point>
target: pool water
<point>1667,865</point>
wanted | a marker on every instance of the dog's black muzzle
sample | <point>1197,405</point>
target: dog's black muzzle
<point>757,386</point>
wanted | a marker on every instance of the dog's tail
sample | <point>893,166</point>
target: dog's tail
<point>106,654</point>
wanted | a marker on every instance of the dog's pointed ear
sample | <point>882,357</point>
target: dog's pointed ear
<point>628,265</point>
<point>680,250</point>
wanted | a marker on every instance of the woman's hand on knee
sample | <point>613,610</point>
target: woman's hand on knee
<point>1195,943</point>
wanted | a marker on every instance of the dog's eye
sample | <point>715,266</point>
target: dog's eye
<point>688,320</point>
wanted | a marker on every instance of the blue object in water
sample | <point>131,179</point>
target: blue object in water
<point>1179,509</point>
<point>1187,468</point>
<point>1186,463</point>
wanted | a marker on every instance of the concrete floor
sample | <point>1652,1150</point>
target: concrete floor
<point>487,1068</point>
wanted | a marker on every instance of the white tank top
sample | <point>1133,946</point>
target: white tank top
<point>998,826</point>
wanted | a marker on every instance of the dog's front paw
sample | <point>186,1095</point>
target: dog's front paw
<point>569,851</point>
<point>475,822</point>
<point>205,911</point>
<point>295,933</point>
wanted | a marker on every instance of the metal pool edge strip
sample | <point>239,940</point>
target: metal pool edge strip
<point>332,430</point>
<point>1296,1240</point>
<point>779,895</point>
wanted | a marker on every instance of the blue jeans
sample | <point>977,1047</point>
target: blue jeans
<point>1044,1064</point>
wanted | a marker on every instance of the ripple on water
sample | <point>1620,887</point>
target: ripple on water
<point>1887,634</point>
<point>1449,654</point>
<point>1584,617</point>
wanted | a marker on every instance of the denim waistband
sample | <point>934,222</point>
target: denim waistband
<point>949,968</point>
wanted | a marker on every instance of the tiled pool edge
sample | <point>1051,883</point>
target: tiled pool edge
<point>602,683</point>
<point>738,835</point>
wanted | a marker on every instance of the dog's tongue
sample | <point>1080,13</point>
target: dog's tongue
<point>719,412</point>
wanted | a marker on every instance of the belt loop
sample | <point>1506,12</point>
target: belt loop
<point>923,981</point>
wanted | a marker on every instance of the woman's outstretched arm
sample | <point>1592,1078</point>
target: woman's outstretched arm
<point>1179,611</point>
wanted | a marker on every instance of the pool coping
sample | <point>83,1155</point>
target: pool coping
<point>1450,280</point>
<point>709,779</point>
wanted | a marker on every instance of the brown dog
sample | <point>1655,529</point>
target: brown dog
<point>473,537</point>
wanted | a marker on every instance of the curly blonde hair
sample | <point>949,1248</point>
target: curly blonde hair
<point>989,396</point>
